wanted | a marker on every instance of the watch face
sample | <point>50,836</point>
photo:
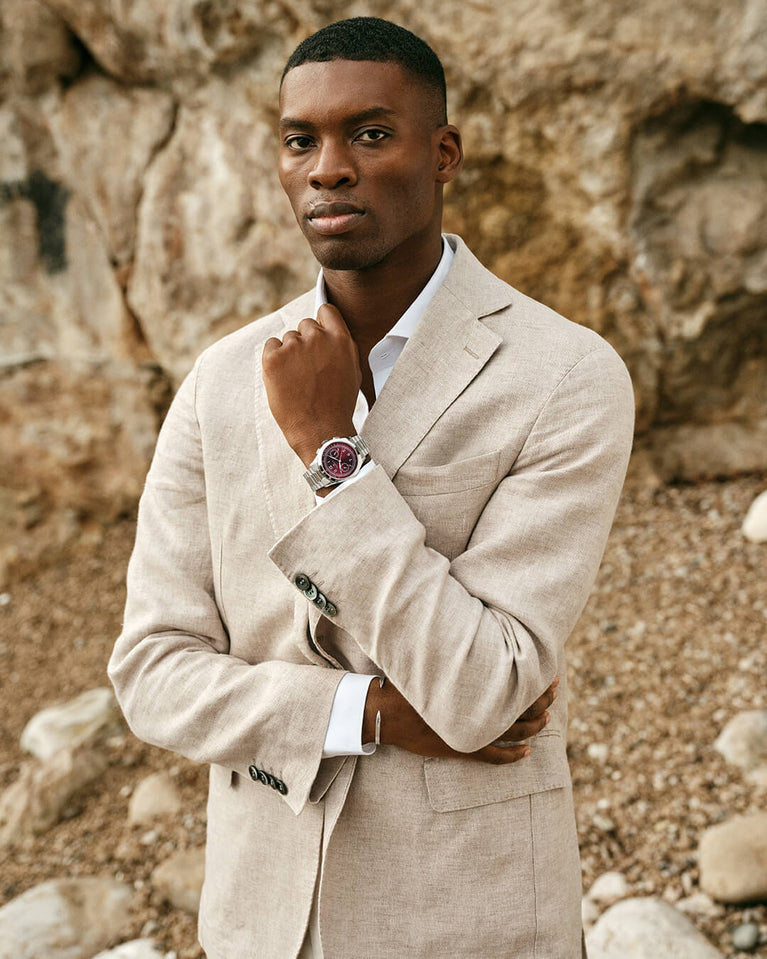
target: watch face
<point>339,460</point>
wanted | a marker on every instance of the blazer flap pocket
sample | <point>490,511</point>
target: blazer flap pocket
<point>472,473</point>
<point>462,784</point>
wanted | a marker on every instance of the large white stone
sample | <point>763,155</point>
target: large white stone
<point>44,790</point>
<point>136,949</point>
<point>64,919</point>
<point>647,929</point>
<point>733,859</point>
<point>755,523</point>
<point>156,795</point>
<point>179,879</point>
<point>89,718</point>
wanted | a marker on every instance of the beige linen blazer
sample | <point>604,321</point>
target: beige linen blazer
<point>457,567</point>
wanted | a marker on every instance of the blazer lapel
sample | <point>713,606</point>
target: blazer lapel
<point>448,349</point>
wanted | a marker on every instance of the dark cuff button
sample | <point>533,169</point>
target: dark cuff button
<point>303,582</point>
<point>262,777</point>
<point>273,782</point>
<point>282,788</point>
<point>321,601</point>
<point>330,610</point>
<point>311,592</point>
<point>253,772</point>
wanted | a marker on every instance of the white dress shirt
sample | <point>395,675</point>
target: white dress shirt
<point>344,733</point>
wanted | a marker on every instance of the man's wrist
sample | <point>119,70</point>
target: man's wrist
<point>306,448</point>
<point>374,704</point>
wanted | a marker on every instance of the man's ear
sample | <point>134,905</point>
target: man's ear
<point>450,153</point>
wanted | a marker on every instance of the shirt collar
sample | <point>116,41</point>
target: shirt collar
<point>406,324</point>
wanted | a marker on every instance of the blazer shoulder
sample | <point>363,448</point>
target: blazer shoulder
<point>530,330</point>
<point>235,352</point>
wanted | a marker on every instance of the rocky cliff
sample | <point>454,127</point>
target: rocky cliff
<point>616,169</point>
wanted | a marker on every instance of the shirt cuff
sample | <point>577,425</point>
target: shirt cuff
<point>367,468</point>
<point>344,733</point>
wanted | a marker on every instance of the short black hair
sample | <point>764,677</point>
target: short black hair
<point>370,38</point>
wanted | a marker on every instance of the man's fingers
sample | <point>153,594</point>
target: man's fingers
<point>501,755</point>
<point>541,704</point>
<point>330,319</point>
<point>525,729</point>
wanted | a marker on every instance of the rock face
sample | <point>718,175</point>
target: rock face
<point>615,172</point>
<point>733,859</point>
<point>647,929</point>
<point>65,919</point>
<point>88,718</point>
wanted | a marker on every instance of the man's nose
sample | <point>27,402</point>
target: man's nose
<point>333,168</point>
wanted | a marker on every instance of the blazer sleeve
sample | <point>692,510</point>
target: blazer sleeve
<point>174,678</point>
<point>472,643</point>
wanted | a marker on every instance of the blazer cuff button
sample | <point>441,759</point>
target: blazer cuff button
<point>303,582</point>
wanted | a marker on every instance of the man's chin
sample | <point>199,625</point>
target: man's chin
<point>345,256</point>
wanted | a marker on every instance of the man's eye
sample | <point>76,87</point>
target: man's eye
<point>298,143</point>
<point>372,136</point>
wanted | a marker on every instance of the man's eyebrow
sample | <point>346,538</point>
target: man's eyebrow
<point>363,116</point>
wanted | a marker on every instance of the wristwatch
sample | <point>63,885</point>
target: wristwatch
<point>337,460</point>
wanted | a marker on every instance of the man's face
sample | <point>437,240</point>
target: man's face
<point>362,160</point>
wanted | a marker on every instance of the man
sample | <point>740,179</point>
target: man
<point>300,592</point>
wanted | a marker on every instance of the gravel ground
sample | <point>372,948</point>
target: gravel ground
<point>669,648</point>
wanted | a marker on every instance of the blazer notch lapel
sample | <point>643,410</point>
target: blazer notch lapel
<point>448,349</point>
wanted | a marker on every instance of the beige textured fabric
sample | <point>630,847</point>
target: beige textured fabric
<point>458,566</point>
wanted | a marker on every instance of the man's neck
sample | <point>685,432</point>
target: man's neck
<point>372,300</point>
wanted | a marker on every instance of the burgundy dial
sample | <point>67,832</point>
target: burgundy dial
<point>339,460</point>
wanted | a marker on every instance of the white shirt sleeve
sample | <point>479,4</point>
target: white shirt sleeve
<point>370,465</point>
<point>344,734</point>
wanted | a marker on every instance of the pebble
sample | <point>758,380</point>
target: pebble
<point>42,793</point>
<point>156,795</point>
<point>608,888</point>
<point>745,937</point>
<point>179,879</point>
<point>136,949</point>
<point>647,929</point>
<point>89,718</point>
<point>699,904</point>
<point>743,741</point>
<point>733,859</point>
<point>64,919</point>
<point>755,523</point>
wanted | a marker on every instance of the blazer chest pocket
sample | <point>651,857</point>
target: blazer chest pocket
<point>448,499</point>
<point>454,784</point>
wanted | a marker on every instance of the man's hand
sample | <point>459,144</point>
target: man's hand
<point>312,379</point>
<point>402,726</point>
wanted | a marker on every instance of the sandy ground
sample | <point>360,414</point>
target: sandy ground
<point>670,647</point>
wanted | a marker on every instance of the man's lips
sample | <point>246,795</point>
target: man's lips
<point>330,219</point>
